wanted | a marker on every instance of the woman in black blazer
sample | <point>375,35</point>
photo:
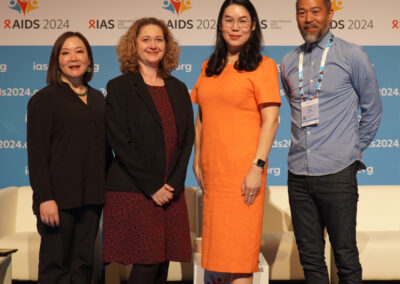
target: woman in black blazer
<point>67,162</point>
<point>149,121</point>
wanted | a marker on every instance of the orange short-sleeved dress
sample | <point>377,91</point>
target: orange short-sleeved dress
<point>231,124</point>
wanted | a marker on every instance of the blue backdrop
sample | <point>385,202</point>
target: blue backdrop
<point>23,72</point>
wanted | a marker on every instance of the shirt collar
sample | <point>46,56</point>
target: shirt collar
<point>321,43</point>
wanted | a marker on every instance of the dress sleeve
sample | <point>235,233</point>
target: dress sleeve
<point>193,95</point>
<point>266,82</point>
<point>39,131</point>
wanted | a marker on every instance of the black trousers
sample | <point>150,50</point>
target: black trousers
<point>319,202</point>
<point>67,252</point>
<point>149,273</point>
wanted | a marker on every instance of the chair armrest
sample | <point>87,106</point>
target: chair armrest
<point>8,211</point>
<point>194,201</point>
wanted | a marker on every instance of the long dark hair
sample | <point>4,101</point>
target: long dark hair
<point>250,56</point>
<point>53,76</point>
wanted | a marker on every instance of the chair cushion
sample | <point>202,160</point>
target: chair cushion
<point>25,261</point>
<point>26,220</point>
<point>379,254</point>
<point>280,252</point>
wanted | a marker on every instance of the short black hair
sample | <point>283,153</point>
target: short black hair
<point>327,4</point>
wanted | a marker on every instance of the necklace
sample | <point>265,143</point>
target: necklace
<point>82,94</point>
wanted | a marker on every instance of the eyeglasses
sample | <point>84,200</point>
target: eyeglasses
<point>242,23</point>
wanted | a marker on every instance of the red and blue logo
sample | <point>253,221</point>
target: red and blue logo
<point>23,6</point>
<point>177,6</point>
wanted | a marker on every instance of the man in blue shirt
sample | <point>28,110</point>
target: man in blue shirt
<point>326,81</point>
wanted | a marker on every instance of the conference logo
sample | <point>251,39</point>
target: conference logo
<point>99,24</point>
<point>23,6</point>
<point>109,24</point>
<point>349,24</point>
<point>337,5</point>
<point>176,6</point>
<point>395,24</point>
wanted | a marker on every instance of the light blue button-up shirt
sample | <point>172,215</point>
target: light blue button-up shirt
<point>349,83</point>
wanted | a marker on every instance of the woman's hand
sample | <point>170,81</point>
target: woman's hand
<point>251,184</point>
<point>49,213</point>
<point>163,195</point>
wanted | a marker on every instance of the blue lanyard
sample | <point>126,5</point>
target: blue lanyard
<point>321,70</point>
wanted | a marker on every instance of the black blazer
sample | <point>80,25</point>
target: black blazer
<point>135,134</point>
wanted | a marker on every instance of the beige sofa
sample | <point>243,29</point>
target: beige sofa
<point>18,230</point>
<point>378,233</point>
<point>278,244</point>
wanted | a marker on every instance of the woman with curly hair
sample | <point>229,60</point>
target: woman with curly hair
<point>149,121</point>
<point>235,128</point>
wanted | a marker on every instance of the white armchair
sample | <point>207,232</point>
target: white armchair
<point>378,232</point>
<point>18,230</point>
<point>278,244</point>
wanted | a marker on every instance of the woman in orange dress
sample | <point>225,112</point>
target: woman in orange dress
<point>239,99</point>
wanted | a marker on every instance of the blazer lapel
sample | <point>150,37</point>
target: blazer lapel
<point>142,92</point>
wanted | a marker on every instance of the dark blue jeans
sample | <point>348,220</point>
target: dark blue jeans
<point>319,202</point>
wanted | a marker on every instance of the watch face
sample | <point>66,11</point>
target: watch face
<point>260,163</point>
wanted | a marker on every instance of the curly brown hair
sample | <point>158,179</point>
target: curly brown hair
<point>127,52</point>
